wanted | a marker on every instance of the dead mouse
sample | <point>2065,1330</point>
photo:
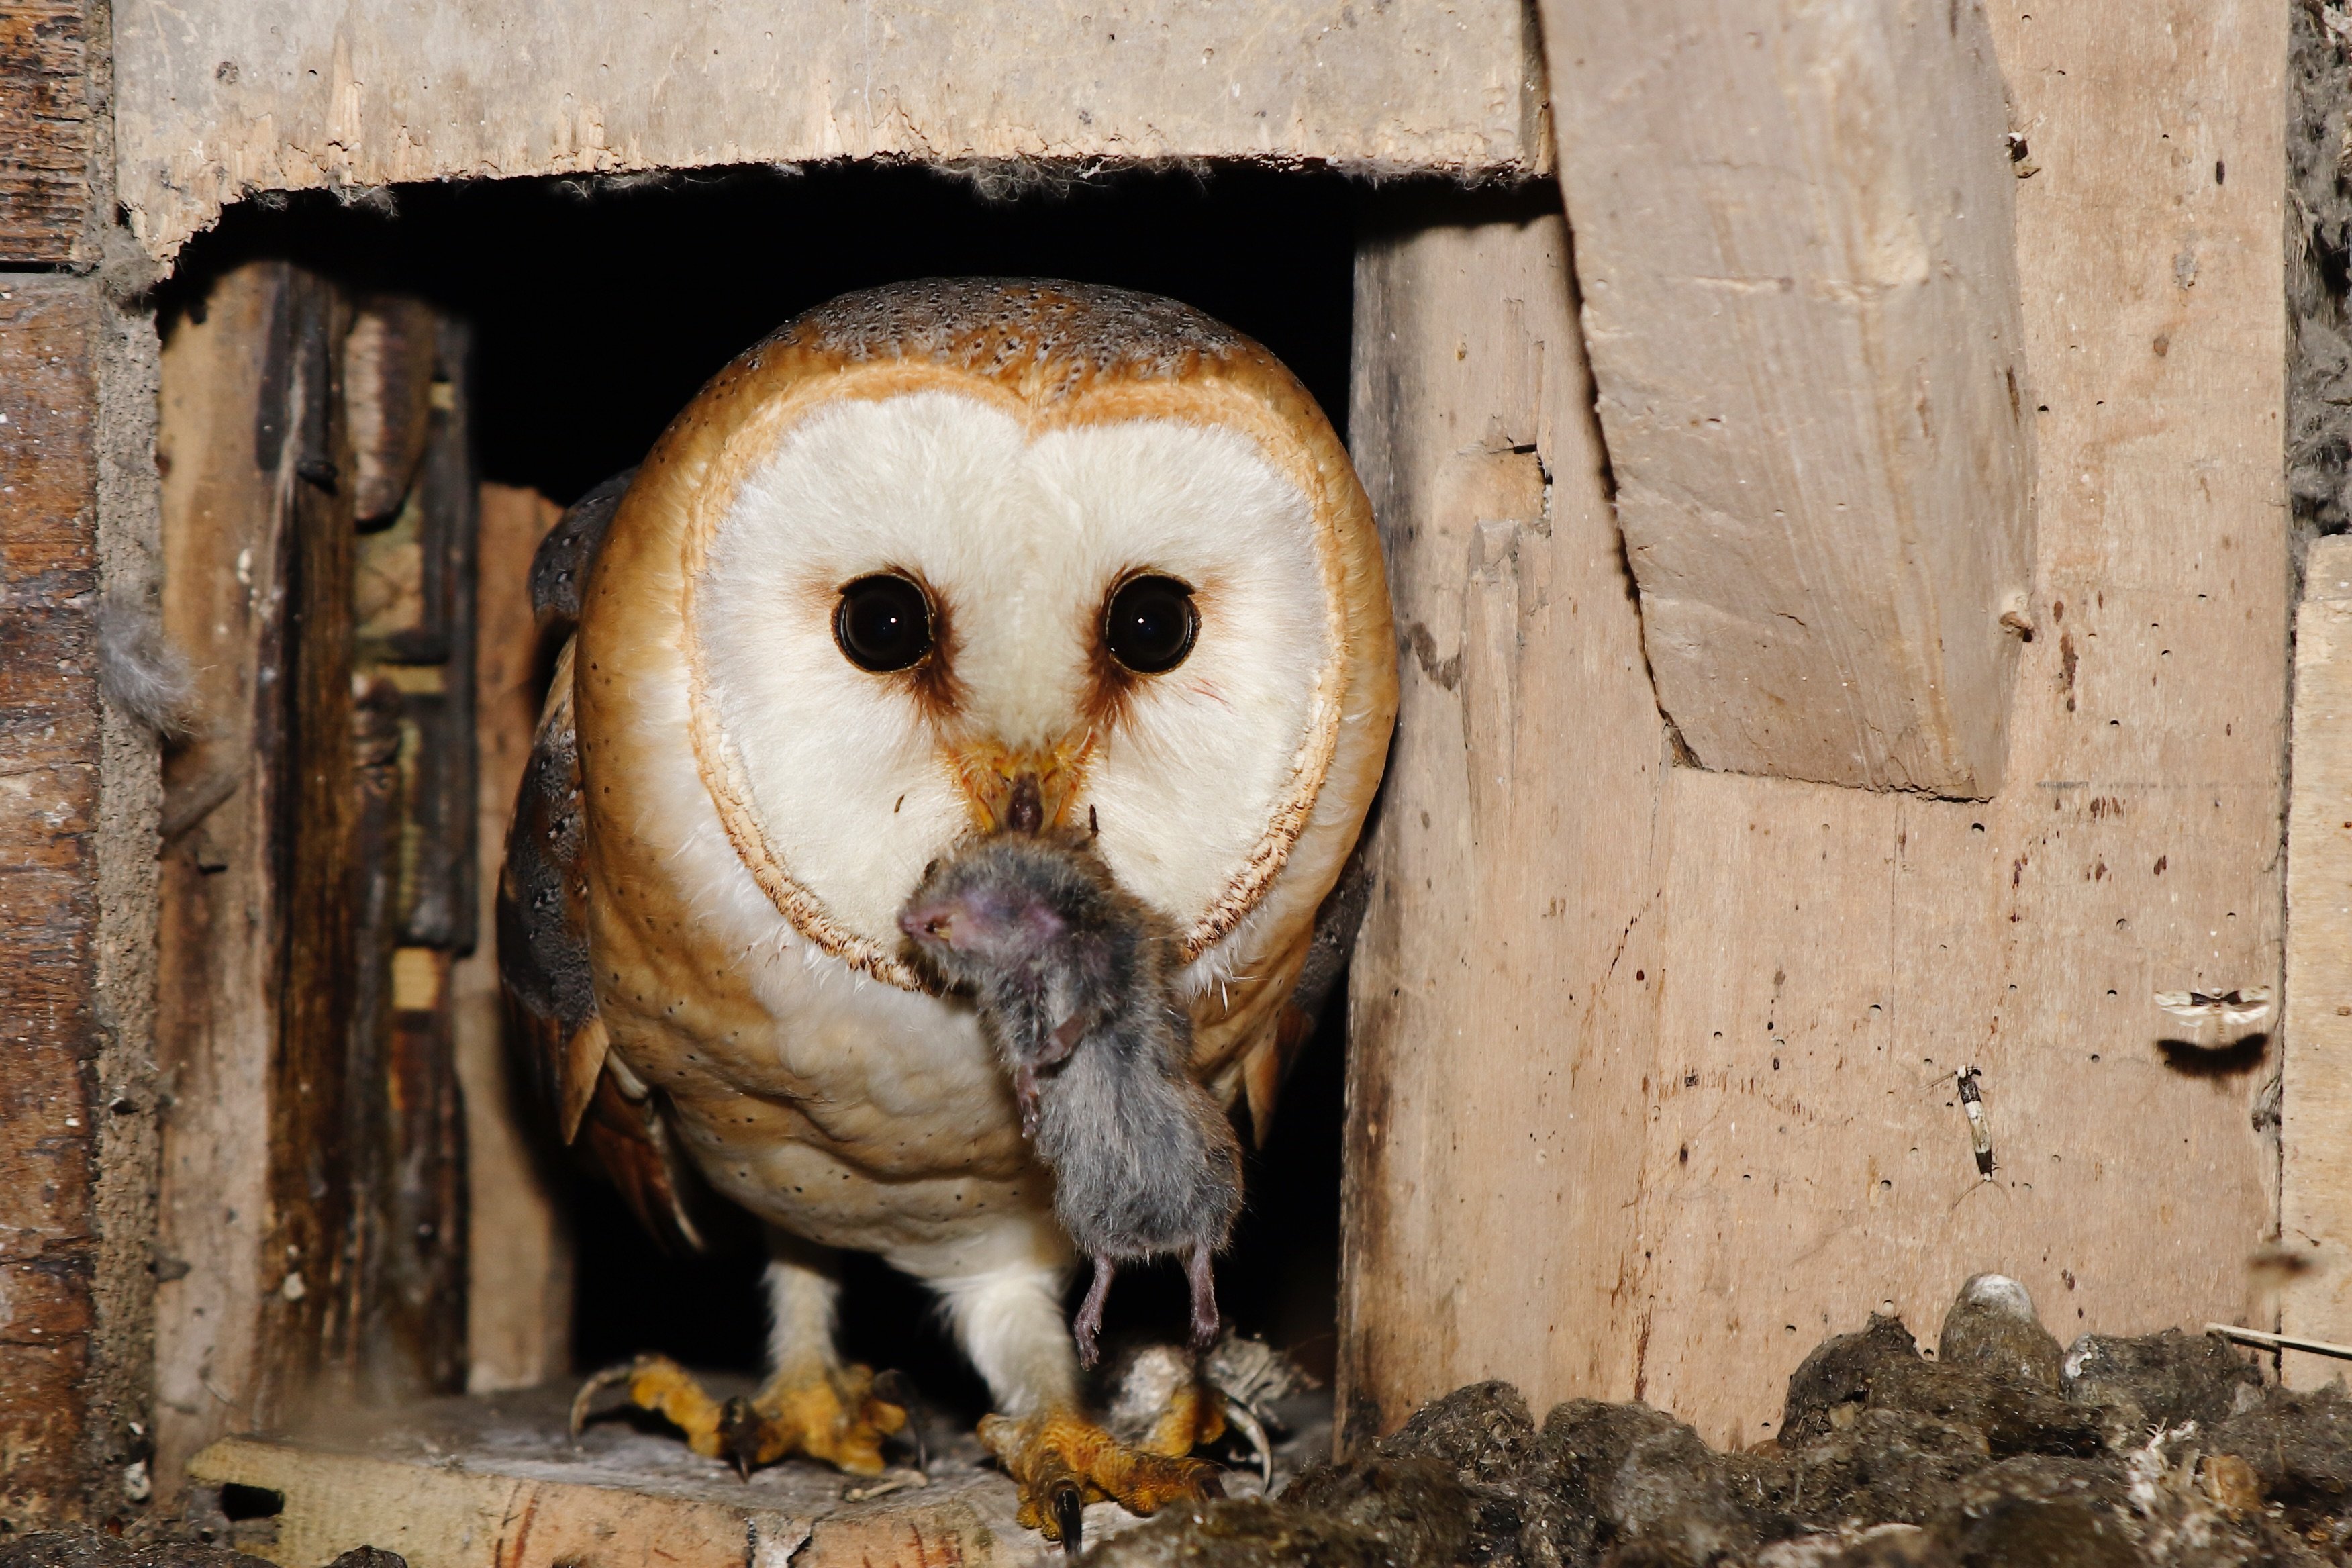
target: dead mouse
<point>1076,981</point>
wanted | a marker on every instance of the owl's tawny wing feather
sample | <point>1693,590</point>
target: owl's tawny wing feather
<point>553,1029</point>
<point>1255,1071</point>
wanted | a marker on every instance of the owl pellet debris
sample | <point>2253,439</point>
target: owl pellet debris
<point>2000,1448</point>
<point>87,1548</point>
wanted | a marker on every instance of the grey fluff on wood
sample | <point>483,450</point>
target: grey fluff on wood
<point>141,672</point>
<point>1077,985</point>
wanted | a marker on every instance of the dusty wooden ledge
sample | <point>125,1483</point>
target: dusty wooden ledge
<point>492,1481</point>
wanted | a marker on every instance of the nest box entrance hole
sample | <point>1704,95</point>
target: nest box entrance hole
<point>559,325</point>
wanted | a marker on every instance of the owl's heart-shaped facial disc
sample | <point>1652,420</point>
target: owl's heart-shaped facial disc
<point>921,614</point>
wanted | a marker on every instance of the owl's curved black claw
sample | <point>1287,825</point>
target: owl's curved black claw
<point>895,1387</point>
<point>596,1383</point>
<point>1069,1509</point>
<point>740,1429</point>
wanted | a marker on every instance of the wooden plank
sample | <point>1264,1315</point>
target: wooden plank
<point>217,98</point>
<point>2315,1101</point>
<point>412,871</point>
<point>496,1483</point>
<point>258,952</point>
<point>46,131</point>
<point>309,1125</point>
<point>518,1260</point>
<point>1802,308</point>
<point>49,1038</point>
<point>1503,994</point>
<point>1779,1153</point>
<point>225,603</point>
<point>1834,956</point>
<point>313,1235</point>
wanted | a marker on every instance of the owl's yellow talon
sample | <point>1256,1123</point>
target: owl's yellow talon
<point>1062,1461</point>
<point>832,1415</point>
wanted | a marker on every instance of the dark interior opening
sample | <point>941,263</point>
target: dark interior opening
<point>597,308</point>
<point>239,1502</point>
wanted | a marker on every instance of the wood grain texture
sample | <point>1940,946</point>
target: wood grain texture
<point>518,1309</point>
<point>1822,959</point>
<point>309,1124</point>
<point>219,97</point>
<point>46,131</point>
<point>225,603</point>
<point>314,1237</point>
<point>260,974</point>
<point>412,860</point>
<point>50,1035</point>
<point>2315,1101</point>
<point>1505,985</point>
<point>494,1483</point>
<point>1801,308</point>
<point>1834,956</point>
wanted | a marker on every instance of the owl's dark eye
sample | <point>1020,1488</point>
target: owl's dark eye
<point>1150,623</point>
<point>883,623</point>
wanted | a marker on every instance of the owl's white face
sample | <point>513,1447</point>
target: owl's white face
<point>1019,543</point>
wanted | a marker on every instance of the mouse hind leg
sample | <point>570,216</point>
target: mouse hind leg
<point>1087,1327</point>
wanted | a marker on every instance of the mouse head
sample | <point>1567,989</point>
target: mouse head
<point>1003,906</point>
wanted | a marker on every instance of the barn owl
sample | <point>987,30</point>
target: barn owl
<point>931,561</point>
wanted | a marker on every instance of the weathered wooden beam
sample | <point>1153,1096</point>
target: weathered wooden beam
<point>307,1328</point>
<point>403,364</point>
<point>1794,236</point>
<point>2316,1098</point>
<point>219,98</point>
<point>1836,954</point>
<point>227,592</point>
<point>79,796</point>
<point>313,1239</point>
<point>518,1305</point>
<point>50,797</point>
<point>495,1483</point>
<point>1752,1140</point>
<point>77,803</point>
<point>1504,993</point>
<point>46,131</point>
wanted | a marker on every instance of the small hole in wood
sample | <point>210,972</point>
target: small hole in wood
<point>238,1502</point>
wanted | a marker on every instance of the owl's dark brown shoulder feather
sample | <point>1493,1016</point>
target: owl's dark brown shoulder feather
<point>613,1121</point>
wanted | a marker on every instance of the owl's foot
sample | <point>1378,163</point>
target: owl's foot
<point>1062,1461</point>
<point>833,1415</point>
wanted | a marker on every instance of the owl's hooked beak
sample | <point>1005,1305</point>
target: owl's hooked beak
<point>1021,791</point>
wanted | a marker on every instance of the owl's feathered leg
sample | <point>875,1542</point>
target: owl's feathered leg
<point>812,1404</point>
<point>1010,1323</point>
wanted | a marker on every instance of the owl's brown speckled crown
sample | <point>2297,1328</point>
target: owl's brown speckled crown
<point>1054,336</point>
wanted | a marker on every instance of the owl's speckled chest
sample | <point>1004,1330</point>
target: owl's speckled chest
<point>846,1110</point>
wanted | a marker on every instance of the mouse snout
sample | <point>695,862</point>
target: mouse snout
<point>928,922</point>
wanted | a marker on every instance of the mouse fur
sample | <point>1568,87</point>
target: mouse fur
<point>1076,981</point>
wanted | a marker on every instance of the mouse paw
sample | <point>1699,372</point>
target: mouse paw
<point>1062,1461</point>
